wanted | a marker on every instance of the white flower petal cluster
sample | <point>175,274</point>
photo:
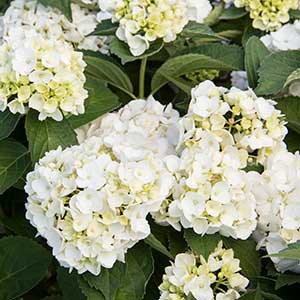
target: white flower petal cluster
<point>142,22</point>
<point>286,38</point>
<point>28,15</point>
<point>277,195</point>
<point>212,192</point>
<point>139,128</point>
<point>238,117</point>
<point>217,278</point>
<point>45,75</point>
<point>92,207</point>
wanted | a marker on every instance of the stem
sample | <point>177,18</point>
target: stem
<point>142,78</point>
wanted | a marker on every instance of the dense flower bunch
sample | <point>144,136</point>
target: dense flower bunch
<point>268,15</point>
<point>216,278</point>
<point>212,193</point>
<point>139,128</point>
<point>278,206</point>
<point>285,38</point>
<point>28,15</point>
<point>237,117</point>
<point>42,74</point>
<point>90,206</point>
<point>142,22</point>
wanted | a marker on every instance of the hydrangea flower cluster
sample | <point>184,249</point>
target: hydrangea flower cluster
<point>236,117</point>
<point>278,206</point>
<point>142,22</point>
<point>217,278</point>
<point>90,206</point>
<point>139,128</point>
<point>29,15</point>
<point>212,193</point>
<point>285,38</point>
<point>45,75</point>
<point>268,15</point>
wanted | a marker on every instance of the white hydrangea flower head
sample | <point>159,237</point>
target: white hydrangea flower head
<point>239,80</point>
<point>45,75</point>
<point>139,128</point>
<point>285,38</point>
<point>268,15</point>
<point>277,194</point>
<point>142,22</point>
<point>92,207</point>
<point>212,193</point>
<point>237,117</point>
<point>28,15</point>
<point>191,274</point>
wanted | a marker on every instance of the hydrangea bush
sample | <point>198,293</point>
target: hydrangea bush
<point>149,150</point>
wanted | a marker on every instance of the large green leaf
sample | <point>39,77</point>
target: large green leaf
<point>68,283</point>
<point>246,252</point>
<point>125,281</point>
<point>292,252</point>
<point>103,68</point>
<point>220,57</point>
<point>122,51</point>
<point>156,244</point>
<point>275,69</point>
<point>196,30</point>
<point>47,135</point>
<point>290,107</point>
<point>294,76</point>
<point>105,28</point>
<point>292,141</point>
<point>286,279</point>
<point>89,292</point>
<point>255,52</point>
<point>63,5</point>
<point>8,123</point>
<point>101,100</point>
<point>23,264</point>
<point>202,245</point>
<point>233,13</point>
<point>14,160</point>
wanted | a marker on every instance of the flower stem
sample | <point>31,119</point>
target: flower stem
<point>142,78</point>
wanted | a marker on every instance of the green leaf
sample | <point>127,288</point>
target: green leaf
<point>14,160</point>
<point>63,5</point>
<point>255,52</point>
<point>125,281</point>
<point>156,244</point>
<point>89,292</point>
<point>292,252</point>
<point>292,141</point>
<point>105,28</point>
<point>8,123</point>
<point>68,284</point>
<point>294,76</point>
<point>233,13</point>
<point>220,57</point>
<point>246,252</point>
<point>272,81</point>
<point>47,135</point>
<point>190,297</point>
<point>103,68</point>
<point>100,101</point>
<point>23,264</point>
<point>253,295</point>
<point>177,243</point>
<point>286,279</point>
<point>290,107</point>
<point>121,50</point>
<point>202,245</point>
<point>294,13</point>
<point>196,30</point>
